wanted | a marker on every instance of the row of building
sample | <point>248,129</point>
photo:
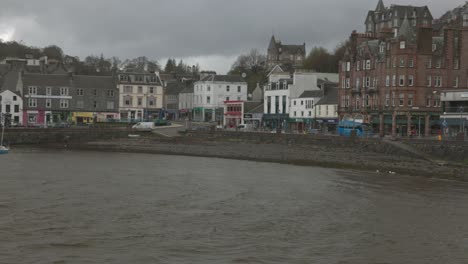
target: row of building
<point>407,73</point>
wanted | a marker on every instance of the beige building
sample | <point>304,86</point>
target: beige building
<point>140,95</point>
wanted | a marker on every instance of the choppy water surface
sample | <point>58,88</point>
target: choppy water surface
<point>87,207</point>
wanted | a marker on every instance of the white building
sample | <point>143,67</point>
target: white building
<point>11,104</point>
<point>140,95</point>
<point>282,88</point>
<point>212,91</point>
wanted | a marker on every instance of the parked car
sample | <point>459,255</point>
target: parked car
<point>144,126</point>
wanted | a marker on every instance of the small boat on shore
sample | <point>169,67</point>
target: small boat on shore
<point>4,150</point>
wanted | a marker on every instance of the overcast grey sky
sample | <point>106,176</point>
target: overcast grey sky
<point>212,32</point>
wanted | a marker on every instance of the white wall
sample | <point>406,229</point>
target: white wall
<point>273,94</point>
<point>332,111</point>
<point>296,110</point>
<point>145,94</point>
<point>218,93</point>
<point>8,99</point>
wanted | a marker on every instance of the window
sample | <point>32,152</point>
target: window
<point>7,108</point>
<point>128,89</point>
<point>128,100</point>
<point>110,93</point>
<point>411,63</point>
<point>64,91</point>
<point>140,101</point>
<point>310,113</point>
<point>402,99</point>
<point>208,100</point>
<point>394,62</point>
<point>368,64</point>
<point>439,63</point>
<point>358,68</point>
<point>401,80</point>
<point>387,99</point>
<point>456,64</point>
<point>367,81</point>
<point>151,90</point>
<point>366,100</point>
<point>347,83</point>
<point>48,103</point>
<point>410,80</point>
<point>358,82</point>
<point>402,62</point>
<point>410,99</point>
<point>348,66</point>
<point>239,89</point>
<point>347,101</point>
<point>63,103</point>
<point>32,90</point>
<point>429,63</point>
<point>48,91</point>
<point>16,108</point>
<point>302,102</point>
<point>227,98</point>
<point>393,99</point>
<point>80,104</point>
<point>32,102</point>
<point>227,89</point>
<point>95,104</point>
<point>238,98</point>
<point>302,113</point>
<point>437,101</point>
<point>140,89</point>
<point>455,82</point>
<point>294,102</point>
<point>382,48</point>
<point>79,92</point>
<point>428,101</point>
<point>151,101</point>
<point>429,81</point>
<point>402,44</point>
<point>438,81</point>
<point>394,80</point>
<point>110,105</point>
<point>387,80</point>
<point>357,102</point>
<point>295,113</point>
<point>95,92</point>
<point>434,47</point>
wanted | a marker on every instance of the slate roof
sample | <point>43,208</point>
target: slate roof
<point>311,94</point>
<point>253,107</point>
<point>89,81</point>
<point>174,88</point>
<point>330,98</point>
<point>187,89</point>
<point>35,79</point>
<point>10,80</point>
<point>223,78</point>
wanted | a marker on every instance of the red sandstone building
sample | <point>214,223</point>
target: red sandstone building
<point>392,75</point>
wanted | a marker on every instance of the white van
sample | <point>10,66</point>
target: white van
<point>144,126</point>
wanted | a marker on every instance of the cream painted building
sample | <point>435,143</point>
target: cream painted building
<point>140,95</point>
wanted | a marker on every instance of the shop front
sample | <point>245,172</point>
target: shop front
<point>275,121</point>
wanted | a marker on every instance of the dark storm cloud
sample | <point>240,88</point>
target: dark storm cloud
<point>186,28</point>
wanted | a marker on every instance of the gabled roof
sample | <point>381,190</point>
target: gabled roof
<point>311,94</point>
<point>406,31</point>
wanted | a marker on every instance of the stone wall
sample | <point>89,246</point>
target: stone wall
<point>445,150</point>
<point>357,145</point>
<point>59,135</point>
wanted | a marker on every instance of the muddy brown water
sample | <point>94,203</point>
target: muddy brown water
<point>90,207</point>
